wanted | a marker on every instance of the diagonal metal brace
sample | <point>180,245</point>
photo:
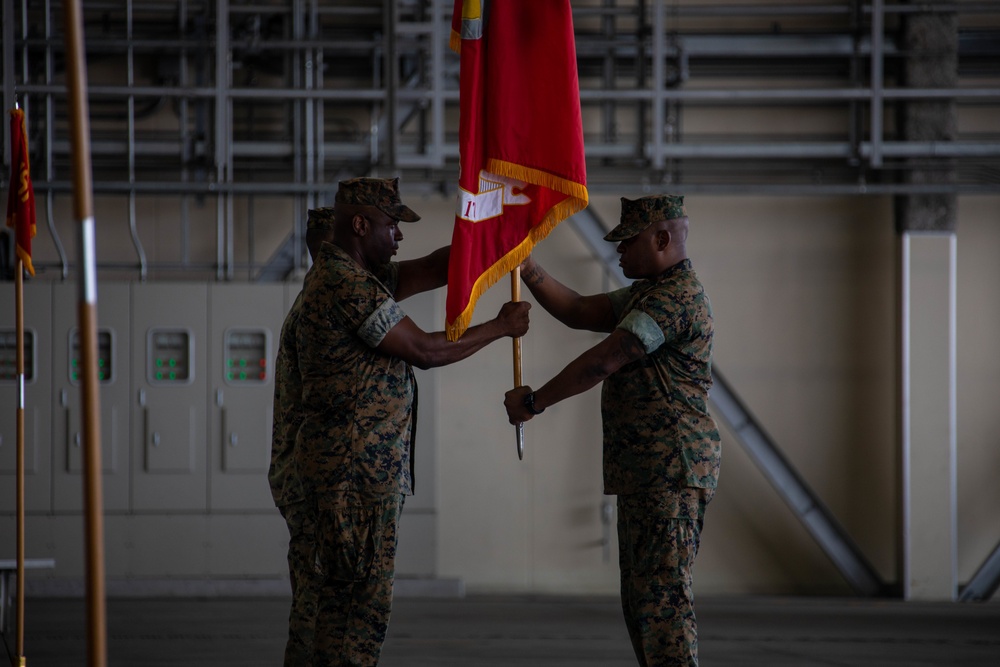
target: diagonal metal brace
<point>985,581</point>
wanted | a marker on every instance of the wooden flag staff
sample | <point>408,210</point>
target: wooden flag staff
<point>515,295</point>
<point>76,66</point>
<point>19,445</point>
<point>20,216</point>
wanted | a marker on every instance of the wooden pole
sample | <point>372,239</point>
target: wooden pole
<point>19,445</point>
<point>76,67</point>
<point>515,295</point>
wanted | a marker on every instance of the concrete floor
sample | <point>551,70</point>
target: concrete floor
<point>539,631</point>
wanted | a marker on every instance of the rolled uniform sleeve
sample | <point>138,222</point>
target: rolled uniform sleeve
<point>644,328</point>
<point>636,322</point>
<point>374,329</point>
<point>619,300</point>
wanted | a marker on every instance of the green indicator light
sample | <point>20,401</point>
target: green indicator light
<point>100,363</point>
<point>173,362</point>
<point>159,376</point>
<point>159,363</point>
<point>75,377</point>
<point>229,362</point>
<point>173,376</point>
<point>100,376</point>
<point>243,376</point>
<point>243,363</point>
<point>229,376</point>
<point>75,363</point>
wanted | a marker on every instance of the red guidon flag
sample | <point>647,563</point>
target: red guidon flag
<point>520,140</point>
<point>21,196</point>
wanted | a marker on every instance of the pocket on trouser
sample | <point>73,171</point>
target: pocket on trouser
<point>346,547</point>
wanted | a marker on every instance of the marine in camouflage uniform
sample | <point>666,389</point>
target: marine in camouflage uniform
<point>353,450</point>
<point>286,487</point>
<point>661,458</point>
<point>662,449</point>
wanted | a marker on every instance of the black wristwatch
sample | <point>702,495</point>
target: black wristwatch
<point>529,402</point>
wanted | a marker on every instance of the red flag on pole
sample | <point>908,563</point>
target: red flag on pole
<point>21,197</point>
<point>522,166</point>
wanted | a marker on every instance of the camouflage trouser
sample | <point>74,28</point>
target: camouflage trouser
<point>305,580</point>
<point>358,551</point>
<point>658,537</point>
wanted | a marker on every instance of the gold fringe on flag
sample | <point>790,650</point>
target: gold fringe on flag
<point>576,201</point>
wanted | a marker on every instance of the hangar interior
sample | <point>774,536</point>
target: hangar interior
<point>841,167</point>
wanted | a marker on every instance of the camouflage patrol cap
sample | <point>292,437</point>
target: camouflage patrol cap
<point>637,214</point>
<point>382,193</point>
<point>320,219</point>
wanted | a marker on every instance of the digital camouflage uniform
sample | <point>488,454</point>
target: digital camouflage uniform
<point>662,449</point>
<point>353,450</point>
<point>286,487</point>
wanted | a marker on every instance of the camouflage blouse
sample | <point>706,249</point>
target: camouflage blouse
<point>358,403</point>
<point>658,433</point>
<point>285,485</point>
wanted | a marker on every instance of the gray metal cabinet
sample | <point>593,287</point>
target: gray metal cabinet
<point>113,377</point>
<point>169,383</point>
<point>244,325</point>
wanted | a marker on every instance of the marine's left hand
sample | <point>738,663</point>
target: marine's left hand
<point>513,400</point>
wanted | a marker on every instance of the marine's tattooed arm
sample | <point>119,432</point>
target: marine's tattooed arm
<point>592,313</point>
